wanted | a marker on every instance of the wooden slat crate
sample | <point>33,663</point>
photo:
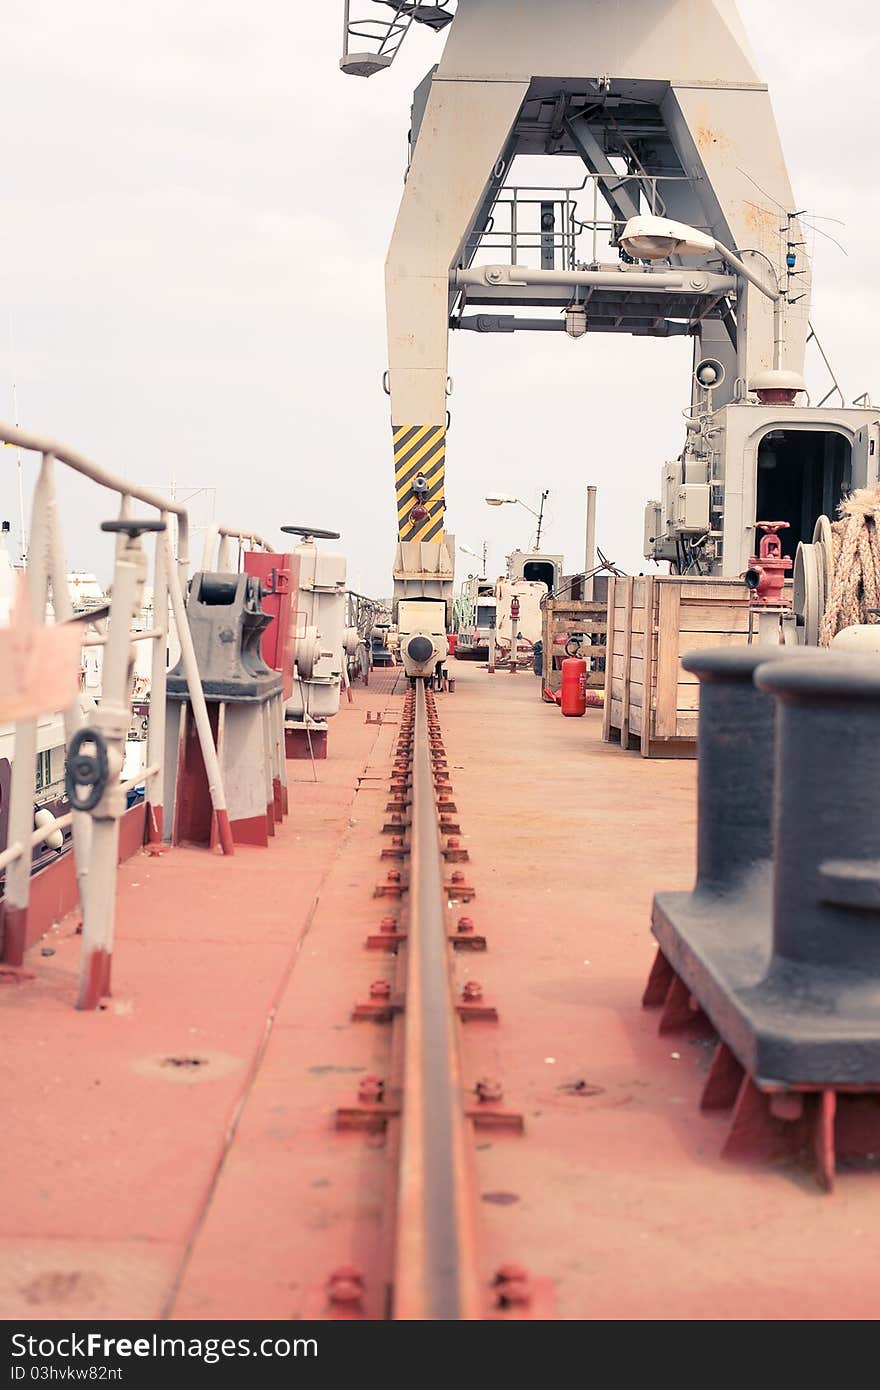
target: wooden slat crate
<point>562,616</point>
<point>651,702</point>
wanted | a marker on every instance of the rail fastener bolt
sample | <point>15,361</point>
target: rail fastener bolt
<point>488,1091</point>
<point>512,1286</point>
<point>380,989</point>
<point>345,1287</point>
<point>371,1090</point>
<point>472,991</point>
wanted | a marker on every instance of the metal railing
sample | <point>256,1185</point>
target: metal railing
<point>383,35</point>
<point>386,35</point>
<point>98,731</point>
<point>512,229</point>
<point>217,550</point>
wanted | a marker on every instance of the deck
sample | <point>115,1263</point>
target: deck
<point>174,1154</point>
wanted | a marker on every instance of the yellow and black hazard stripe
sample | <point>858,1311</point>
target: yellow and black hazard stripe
<point>420,451</point>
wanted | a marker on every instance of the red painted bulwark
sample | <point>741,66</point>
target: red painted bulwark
<point>53,891</point>
<point>131,831</point>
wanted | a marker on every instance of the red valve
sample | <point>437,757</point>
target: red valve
<point>765,577</point>
<point>514,607</point>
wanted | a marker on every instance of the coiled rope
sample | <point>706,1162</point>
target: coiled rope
<point>855,585</point>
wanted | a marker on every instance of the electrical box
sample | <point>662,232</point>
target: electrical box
<point>692,508</point>
<point>654,528</point>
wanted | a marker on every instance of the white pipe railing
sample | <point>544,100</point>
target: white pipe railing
<point>216,552</point>
<point>96,831</point>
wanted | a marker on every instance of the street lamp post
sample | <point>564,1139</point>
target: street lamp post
<point>497,499</point>
<point>466,550</point>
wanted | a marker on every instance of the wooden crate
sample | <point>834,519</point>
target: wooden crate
<point>562,616</point>
<point>651,702</point>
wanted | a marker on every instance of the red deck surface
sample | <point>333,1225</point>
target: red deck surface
<point>174,1154</point>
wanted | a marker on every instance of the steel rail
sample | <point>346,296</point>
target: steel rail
<point>435,1275</point>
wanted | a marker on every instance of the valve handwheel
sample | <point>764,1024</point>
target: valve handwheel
<point>313,531</point>
<point>87,772</point>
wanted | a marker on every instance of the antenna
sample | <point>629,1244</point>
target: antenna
<point>22,534</point>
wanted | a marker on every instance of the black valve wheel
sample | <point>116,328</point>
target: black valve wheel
<point>311,531</point>
<point>133,526</point>
<point>87,770</point>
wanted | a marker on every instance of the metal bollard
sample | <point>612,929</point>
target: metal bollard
<point>735,749</point>
<point>719,933</point>
<point>816,1015</point>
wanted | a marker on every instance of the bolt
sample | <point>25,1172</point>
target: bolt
<point>457,877</point>
<point>472,991</point>
<point>396,841</point>
<point>388,925</point>
<point>345,1286</point>
<point>396,818</point>
<point>394,876</point>
<point>453,842</point>
<point>488,1090</point>
<point>512,1286</point>
<point>465,925</point>
<point>380,989</point>
<point>371,1091</point>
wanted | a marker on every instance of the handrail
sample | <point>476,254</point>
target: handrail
<point>11,434</point>
<point>216,534</point>
<point>96,820</point>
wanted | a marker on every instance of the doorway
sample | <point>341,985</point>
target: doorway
<point>801,475</point>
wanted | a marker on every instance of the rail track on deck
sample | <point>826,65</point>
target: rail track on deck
<point>428,1107</point>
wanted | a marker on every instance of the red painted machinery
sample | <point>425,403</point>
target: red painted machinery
<point>767,570</point>
<point>279,576</point>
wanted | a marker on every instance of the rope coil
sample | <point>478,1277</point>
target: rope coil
<point>855,583</point>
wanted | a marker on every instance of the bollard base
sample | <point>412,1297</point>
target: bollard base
<point>798,1056</point>
<point>789,1023</point>
<point>304,743</point>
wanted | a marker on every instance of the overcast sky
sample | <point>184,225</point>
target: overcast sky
<point>194,210</point>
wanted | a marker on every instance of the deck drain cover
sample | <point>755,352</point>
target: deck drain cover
<point>189,1068</point>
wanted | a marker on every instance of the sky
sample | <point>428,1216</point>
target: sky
<point>195,206</point>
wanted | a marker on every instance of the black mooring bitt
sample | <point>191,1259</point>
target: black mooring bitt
<point>226,621</point>
<point>783,953</point>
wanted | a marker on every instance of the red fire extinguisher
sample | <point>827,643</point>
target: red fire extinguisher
<point>574,687</point>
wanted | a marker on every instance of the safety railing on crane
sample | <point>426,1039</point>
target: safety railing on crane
<point>384,36</point>
<point>553,220</point>
<point>95,733</point>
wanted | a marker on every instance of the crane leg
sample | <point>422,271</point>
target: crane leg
<point>462,135</point>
